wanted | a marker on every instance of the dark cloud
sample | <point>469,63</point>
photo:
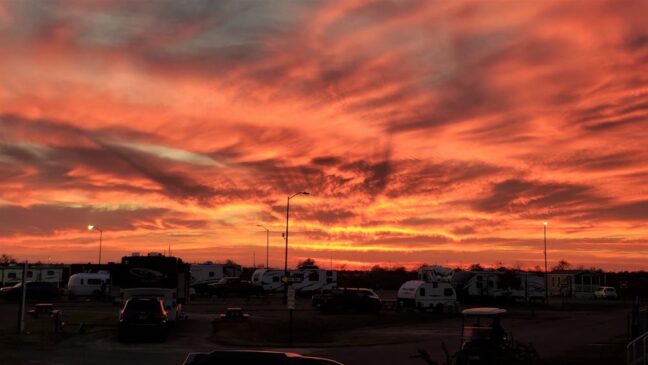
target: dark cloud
<point>44,220</point>
<point>520,196</point>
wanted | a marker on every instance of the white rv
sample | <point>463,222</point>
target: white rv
<point>12,274</point>
<point>88,284</point>
<point>419,294</point>
<point>204,274</point>
<point>302,280</point>
<point>501,284</point>
<point>435,273</point>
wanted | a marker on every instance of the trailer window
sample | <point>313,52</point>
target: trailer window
<point>275,279</point>
<point>329,273</point>
<point>329,280</point>
<point>94,281</point>
<point>448,292</point>
<point>30,274</point>
<point>422,292</point>
<point>313,276</point>
<point>81,281</point>
<point>211,274</point>
<point>435,285</point>
<point>478,285</point>
<point>50,273</point>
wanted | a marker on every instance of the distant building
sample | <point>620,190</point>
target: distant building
<point>573,283</point>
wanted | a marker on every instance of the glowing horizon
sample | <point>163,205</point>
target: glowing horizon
<point>425,132</point>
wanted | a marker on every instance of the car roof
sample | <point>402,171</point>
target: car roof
<point>483,311</point>
<point>250,357</point>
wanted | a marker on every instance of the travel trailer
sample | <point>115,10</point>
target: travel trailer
<point>423,295</point>
<point>435,273</point>
<point>12,274</point>
<point>88,284</point>
<point>302,280</point>
<point>492,284</point>
<point>204,274</point>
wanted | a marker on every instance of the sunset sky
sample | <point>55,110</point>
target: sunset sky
<point>426,131</point>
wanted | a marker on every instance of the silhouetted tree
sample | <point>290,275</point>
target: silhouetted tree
<point>305,263</point>
<point>476,267</point>
<point>230,262</point>
<point>7,259</point>
<point>562,265</point>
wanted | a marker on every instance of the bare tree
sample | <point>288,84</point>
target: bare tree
<point>305,263</point>
<point>7,259</point>
<point>562,265</point>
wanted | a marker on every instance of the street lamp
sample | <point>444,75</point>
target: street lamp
<point>95,228</point>
<point>545,257</point>
<point>286,255</point>
<point>267,244</point>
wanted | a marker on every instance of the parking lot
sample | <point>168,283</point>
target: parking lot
<point>570,334</point>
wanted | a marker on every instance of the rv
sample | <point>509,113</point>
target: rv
<point>418,294</point>
<point>88,284</point>
<point>493,284</point>
<point>12,274</point>
<point>303,280</point>
<point>204,274</point>
<point>156,276</point>
<point>435,273</point>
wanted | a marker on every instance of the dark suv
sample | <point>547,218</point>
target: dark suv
<point>143,316</point>
<point>349,299</point>
<point>35,290</point>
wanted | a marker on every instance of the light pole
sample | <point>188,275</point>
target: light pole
<point>95,228</point>
<point>267,244</point>
<point>545,257</point>
<point>286,255</point>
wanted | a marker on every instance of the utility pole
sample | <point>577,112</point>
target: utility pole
<point>545,259</point>
<point>23,297</point>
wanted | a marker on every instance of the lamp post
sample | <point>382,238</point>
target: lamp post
<point>267,245</point>
<point>95,228</point>
<point>286,254</point>
<point>545,259</point>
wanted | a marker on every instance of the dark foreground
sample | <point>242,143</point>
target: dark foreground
<point>580,333</point>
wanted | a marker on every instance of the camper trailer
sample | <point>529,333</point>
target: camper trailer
<point>12,274</point>
<point>204,274</point>
<point>88,284</point>
<point>492,284</point>
<point>435,273</point>
<point>422,295</point>
<point>302,280</point>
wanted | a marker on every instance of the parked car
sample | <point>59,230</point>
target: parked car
<point>350,299</point>
<point>316,299</point>
<point>606,292</point>
<point>234,314</point>
<point>143,316</point>
<point>248,357</point>
<point>35,290</point>
<point>233,286</point>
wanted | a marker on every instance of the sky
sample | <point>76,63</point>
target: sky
<point>438,132</point>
